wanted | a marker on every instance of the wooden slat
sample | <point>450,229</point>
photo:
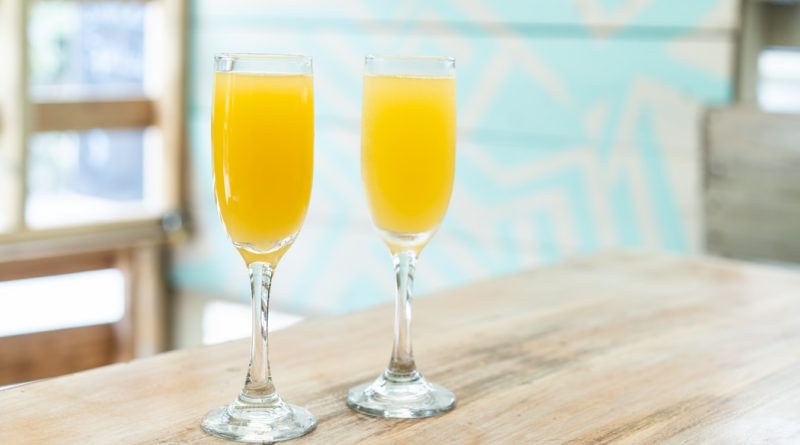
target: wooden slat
<point>56,265</point>
<point>753,242</point>
<point>748,132</point>
<point>74,240</point>
<point>47,354</point>
<point>734,201</point>
<point>754,189</point>
<point>85,115</point>
<point>611,349</point>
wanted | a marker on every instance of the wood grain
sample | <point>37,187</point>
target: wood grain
<point>75,240</point>
<point>623,348</point>
<point>147,301</point>
<point>85,115</point>
<point>52,353</point>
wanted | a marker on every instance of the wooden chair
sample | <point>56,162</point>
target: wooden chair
<point>142,331</point>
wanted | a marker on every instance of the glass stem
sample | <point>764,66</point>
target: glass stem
<point>402,366</point>
<point>258,386</point>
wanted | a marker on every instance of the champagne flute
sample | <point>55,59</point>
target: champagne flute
<point>407,163</point>
<point>262,135</point>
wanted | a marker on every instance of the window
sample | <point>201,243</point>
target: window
<point>769,55</point>
<point>91,137</point>
<point>90,133</point>
<point>779,80</point>
<point>97,297</point>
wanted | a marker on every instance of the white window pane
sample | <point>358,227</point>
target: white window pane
<point>61,301</point>
<point>95,48</point>
<point>93,176</point>
<point>779,80</point>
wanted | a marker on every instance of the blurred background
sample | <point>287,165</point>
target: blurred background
<point>584,125</point>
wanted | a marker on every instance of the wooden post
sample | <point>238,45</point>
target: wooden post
<point>14,123</point>
<point>149,305</point>
<point>144,330</point>
<point>172,106</point>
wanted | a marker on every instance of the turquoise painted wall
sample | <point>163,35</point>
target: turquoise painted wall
<point>578,131</point>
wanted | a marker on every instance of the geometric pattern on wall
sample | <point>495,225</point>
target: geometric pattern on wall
<point>578,131</point>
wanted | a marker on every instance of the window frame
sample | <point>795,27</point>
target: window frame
<point>764,24</point>
<point>16,128</point>
<point>135,246</point>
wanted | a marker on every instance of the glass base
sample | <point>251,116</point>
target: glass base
<point>401,397</point>
<point>254,423</point>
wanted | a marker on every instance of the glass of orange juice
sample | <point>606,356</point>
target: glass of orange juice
<point>408,141</point>
<point>262,134</point>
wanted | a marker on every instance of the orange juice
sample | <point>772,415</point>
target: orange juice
<point>408,150</point>
<point>263,150</point>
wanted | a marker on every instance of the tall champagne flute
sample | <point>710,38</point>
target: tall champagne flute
<point>262,134</point>
<point>407,163</point>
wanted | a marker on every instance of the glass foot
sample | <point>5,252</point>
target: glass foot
<point>250,423</point>
<point>401,397</point>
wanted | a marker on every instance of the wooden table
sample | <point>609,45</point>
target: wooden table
<point>616,348</point>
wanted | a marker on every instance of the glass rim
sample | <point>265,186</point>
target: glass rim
<point>402,57</point>
<point>257,63</point>
<point>259,56</point>
<point>410,66</point>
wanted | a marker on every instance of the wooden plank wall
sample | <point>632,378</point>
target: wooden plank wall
<point>752,190</point>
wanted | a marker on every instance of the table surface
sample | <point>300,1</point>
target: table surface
<point>629,348</point>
